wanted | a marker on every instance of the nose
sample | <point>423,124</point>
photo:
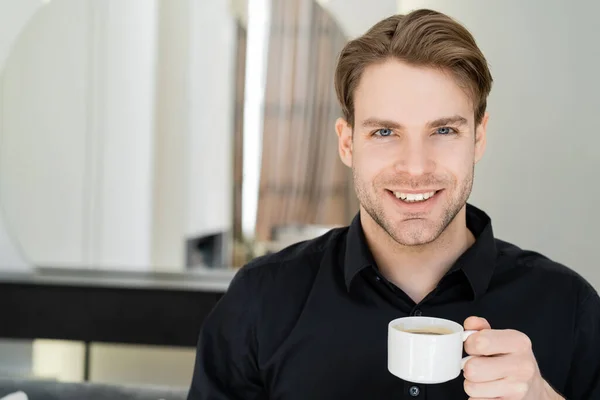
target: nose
<point>414,158</point>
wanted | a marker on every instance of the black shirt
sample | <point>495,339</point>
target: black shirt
<point>310,322</point>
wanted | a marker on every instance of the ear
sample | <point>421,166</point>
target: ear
<point>344,133</point>
<point>481,138</point>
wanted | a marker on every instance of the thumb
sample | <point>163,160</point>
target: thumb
<point>476,324</point>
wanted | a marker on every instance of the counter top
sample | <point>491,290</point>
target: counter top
<point>202,279</point>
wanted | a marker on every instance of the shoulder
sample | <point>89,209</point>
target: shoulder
<point>545,271</point>
<point>287,274</point>
<point>281,278</point>
<point>277,286</point>
<point>298,261</point>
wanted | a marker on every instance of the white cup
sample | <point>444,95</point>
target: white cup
<point>426,358</point>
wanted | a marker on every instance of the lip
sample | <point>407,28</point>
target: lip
<point>408,191</point>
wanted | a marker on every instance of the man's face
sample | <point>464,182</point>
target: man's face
<point>412,150</point>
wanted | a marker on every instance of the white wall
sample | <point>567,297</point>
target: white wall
<point>43,117</point>
<point>193,189</point>
<point>14,15</point>
<point>538,180</point>
<point>108,159</point>
<point>210,162</point>
<point>356,16</point>
<point>171,151</point>
<point>76,134</point>
<point>123,122</point>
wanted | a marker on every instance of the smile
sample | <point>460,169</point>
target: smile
<point>414,197</point>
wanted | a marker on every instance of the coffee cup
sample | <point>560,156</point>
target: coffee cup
<point>426,349</point>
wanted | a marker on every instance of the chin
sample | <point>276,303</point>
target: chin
<point>415,233</point>
<point>414,241</point>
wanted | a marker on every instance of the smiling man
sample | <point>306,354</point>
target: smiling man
<point>412,142</point>
<point>311,321</point>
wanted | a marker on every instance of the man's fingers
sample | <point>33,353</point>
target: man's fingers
<point>496,389</point>
<point>491,342</point>
<point>487,369</point>
<point>476,324</point>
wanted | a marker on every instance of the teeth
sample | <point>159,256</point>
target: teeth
<point>413,197</point>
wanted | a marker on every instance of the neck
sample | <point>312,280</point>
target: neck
<point>417,269</point>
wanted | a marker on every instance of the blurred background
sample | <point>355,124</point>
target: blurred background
<point>186,137</point>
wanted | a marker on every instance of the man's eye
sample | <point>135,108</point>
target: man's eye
<point>383,132</point>
<point>445,130</point>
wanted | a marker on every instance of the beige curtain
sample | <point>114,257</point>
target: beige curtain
<point>302,179</point>
<point>238,138</point>
<point>240,254</point>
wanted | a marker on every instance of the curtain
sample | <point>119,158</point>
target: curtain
<point>239,252</point>
<point>302,181</point>
<point>238,133</point>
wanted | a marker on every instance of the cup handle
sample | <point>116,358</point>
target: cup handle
<point>465,336</point>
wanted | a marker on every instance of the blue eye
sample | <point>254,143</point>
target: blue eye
<point>383,132</point>
<point>445,130</point>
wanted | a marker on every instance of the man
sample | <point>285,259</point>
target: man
<point>311,321</point>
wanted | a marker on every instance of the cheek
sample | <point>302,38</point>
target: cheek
<point>457,159</point>
<point>373,158</point>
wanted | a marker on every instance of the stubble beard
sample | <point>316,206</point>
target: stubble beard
<point>418,234</point>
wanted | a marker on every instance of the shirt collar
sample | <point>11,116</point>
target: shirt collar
<point>477,263</point>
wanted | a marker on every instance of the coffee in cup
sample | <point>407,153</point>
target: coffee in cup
<point>429,330</point>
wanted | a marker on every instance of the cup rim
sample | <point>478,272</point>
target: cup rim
<point>442,321</point>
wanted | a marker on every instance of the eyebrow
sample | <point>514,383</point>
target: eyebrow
<point>376,122</point>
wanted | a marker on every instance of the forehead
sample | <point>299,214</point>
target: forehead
<point>409,94</point>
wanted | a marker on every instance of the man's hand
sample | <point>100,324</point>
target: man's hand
<point>503,366</point>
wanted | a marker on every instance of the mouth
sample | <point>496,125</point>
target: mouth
<point>416,202</point>
<point>412,198</point>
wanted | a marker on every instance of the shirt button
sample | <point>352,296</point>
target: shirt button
<point>377,278</point>
<point>418,313</point>
<point>414,391</point>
